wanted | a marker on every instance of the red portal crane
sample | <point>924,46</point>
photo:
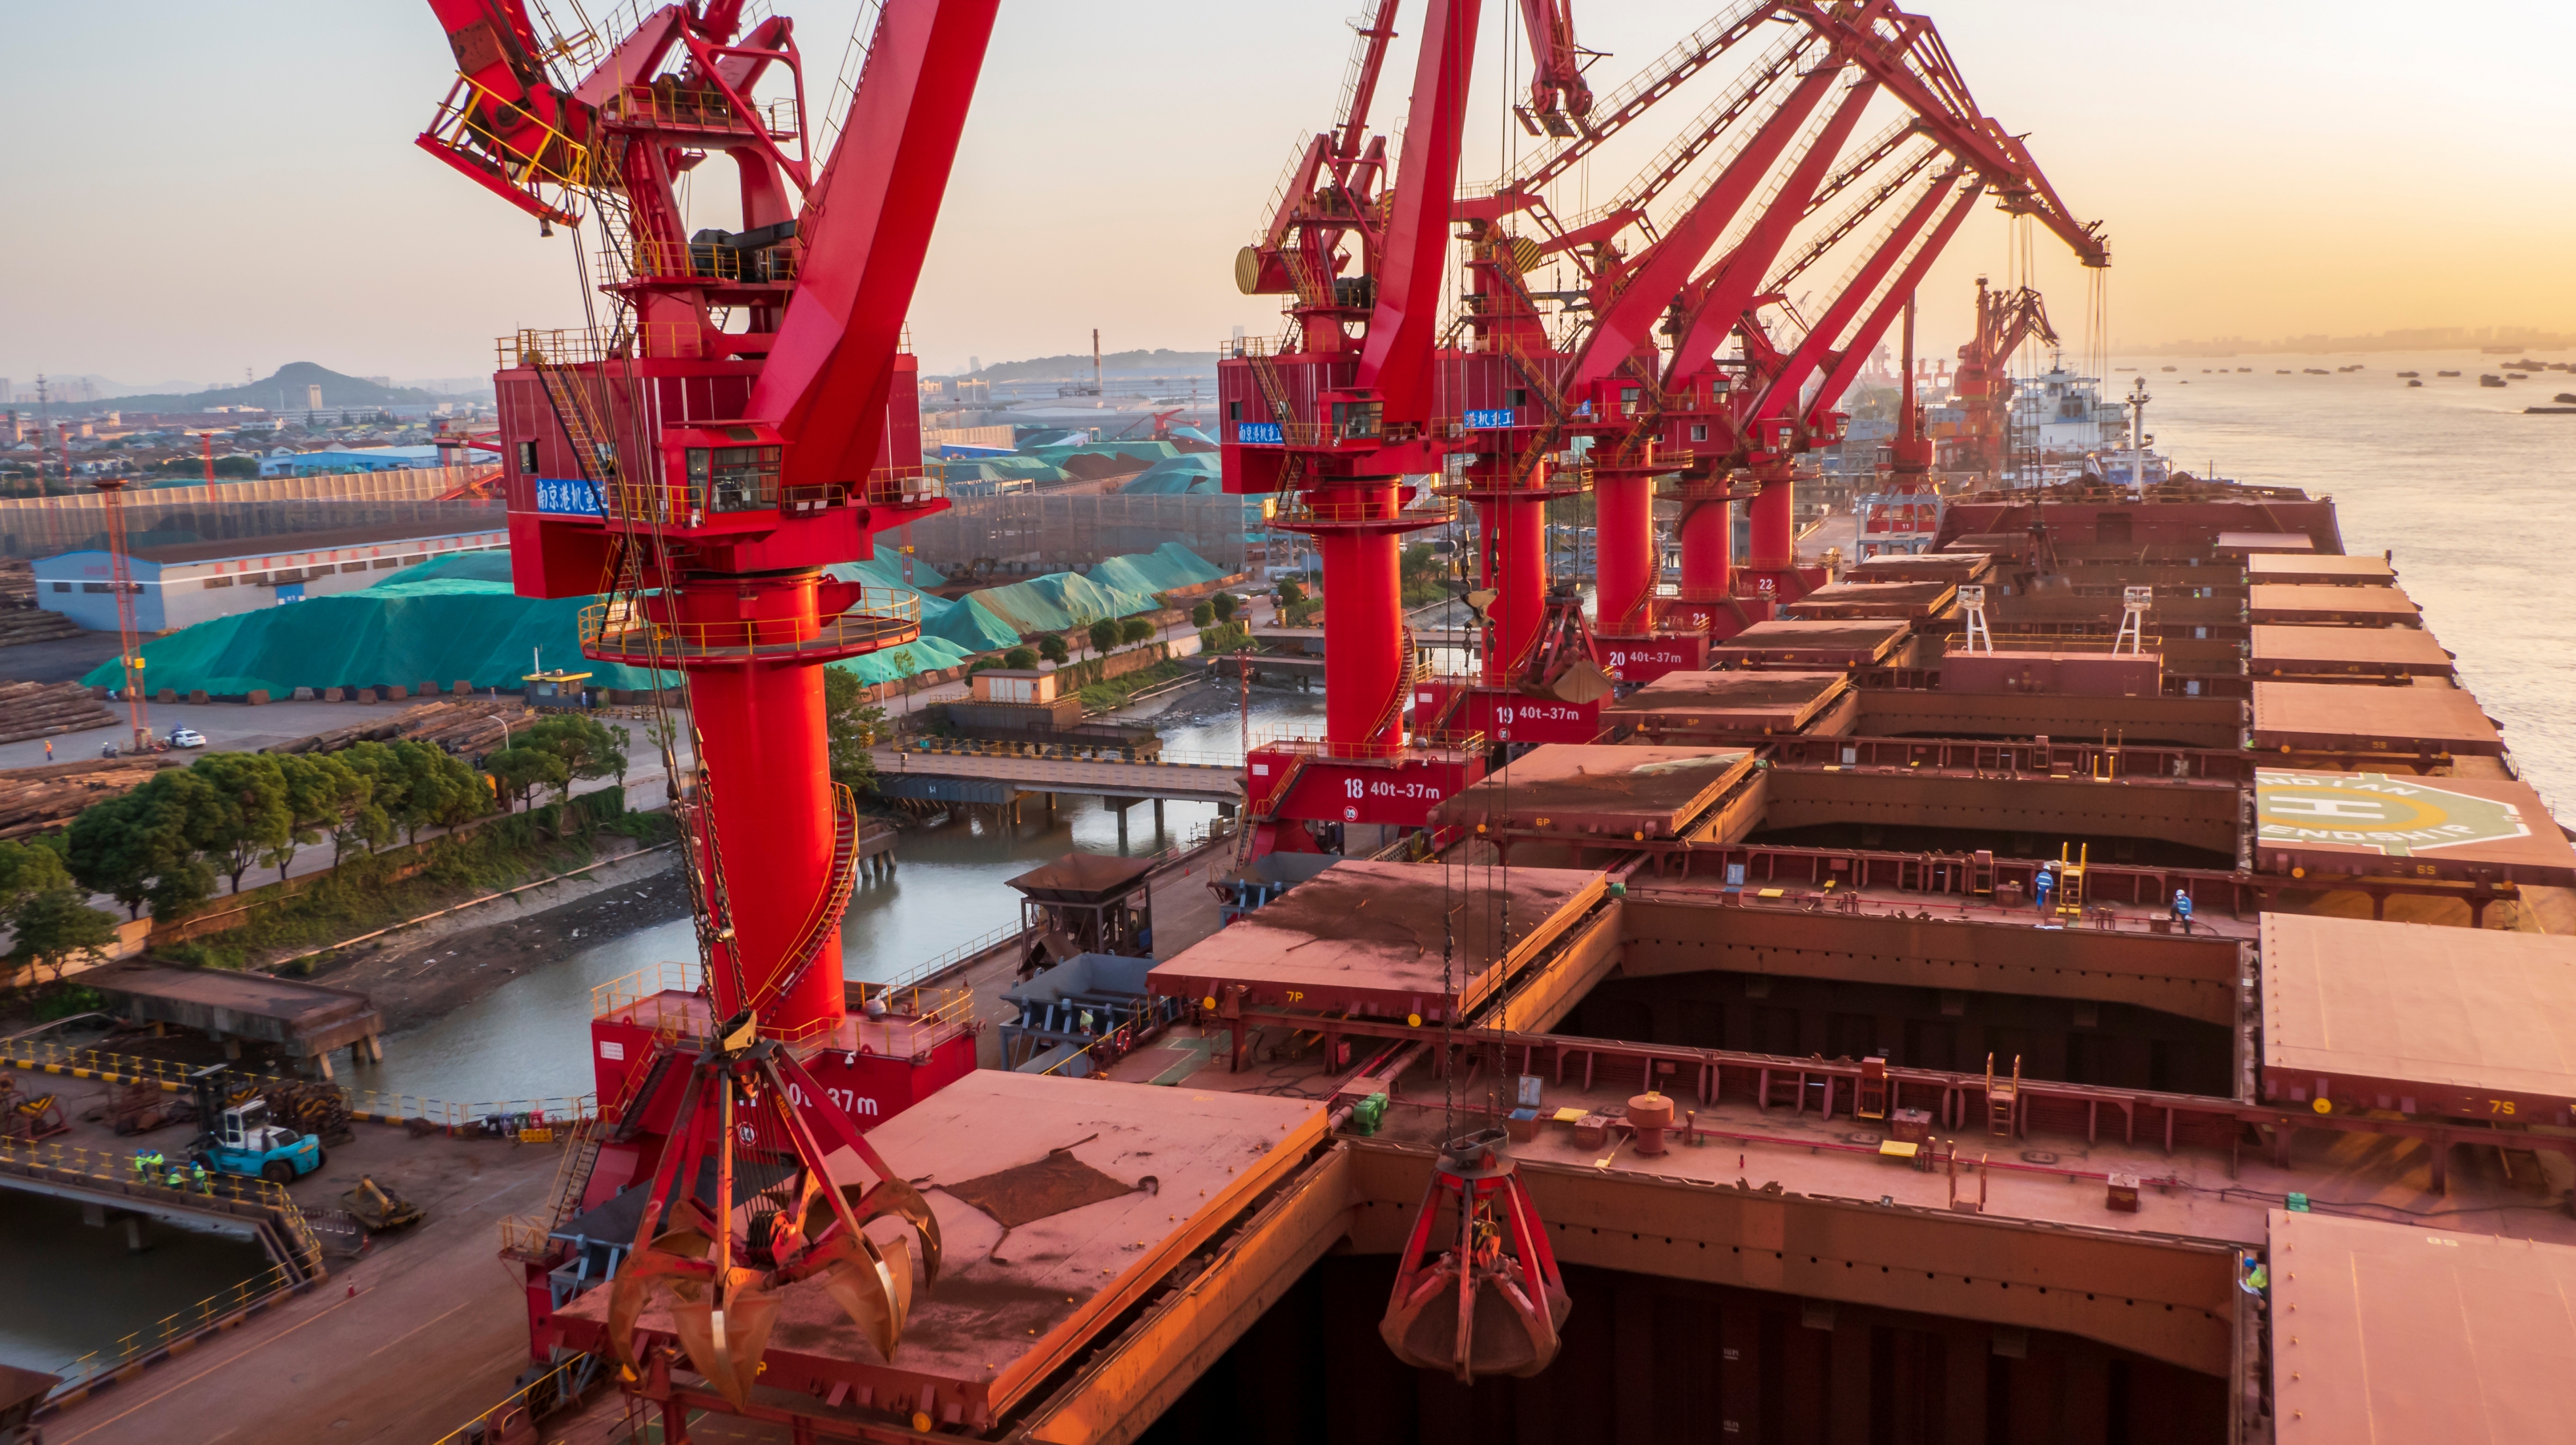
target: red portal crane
<point>1983,383</point>
<point>744,418</point>
<point>1344,411</point>
<point>1717,429</point>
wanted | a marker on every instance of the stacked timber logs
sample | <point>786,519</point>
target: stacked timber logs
<point>31,624</point>
<point>468,726</point>
<point>17,582</point>
<point>33,800</point>
<point>42,709</point>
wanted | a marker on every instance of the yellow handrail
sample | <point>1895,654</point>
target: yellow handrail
<point>881,616</point>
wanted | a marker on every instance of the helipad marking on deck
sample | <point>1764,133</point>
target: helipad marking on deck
<point>2395,817</point>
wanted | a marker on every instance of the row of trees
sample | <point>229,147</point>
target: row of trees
<point>48,915</point>
<point>164,844</point>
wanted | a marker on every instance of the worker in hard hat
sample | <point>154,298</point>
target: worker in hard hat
<point>197,1176</point>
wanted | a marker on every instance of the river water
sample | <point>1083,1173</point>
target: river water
<point>528,1038</point>
<point>2476,500</point>
<point>74,1289</point>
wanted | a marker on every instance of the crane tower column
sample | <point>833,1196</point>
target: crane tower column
<point>1623,548</point>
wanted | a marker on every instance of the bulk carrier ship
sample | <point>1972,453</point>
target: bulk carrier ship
<point>2082,977</point>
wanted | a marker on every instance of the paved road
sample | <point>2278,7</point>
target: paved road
<point>398,1347</point>
<point>1200,781</point>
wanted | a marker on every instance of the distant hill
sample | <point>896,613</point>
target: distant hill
<point>1116,363</point>
<point>285,391</point>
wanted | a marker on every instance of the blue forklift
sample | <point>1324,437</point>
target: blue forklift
<point>239,1138</point>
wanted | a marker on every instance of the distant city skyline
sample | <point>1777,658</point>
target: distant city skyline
<point>2292,169</point>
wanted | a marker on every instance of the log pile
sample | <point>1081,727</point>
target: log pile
<point>42,709</point>
<point>468,726</point>
<point>33,800</point>
<point>17,582</point>
<point>31,624</point>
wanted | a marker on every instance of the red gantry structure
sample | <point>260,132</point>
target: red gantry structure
<point>1356,412</point>
<point>742,418</point>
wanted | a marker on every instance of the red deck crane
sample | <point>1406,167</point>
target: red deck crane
<point>1983,383</point>
<point>1341,414</point>
<point>1696,421</point>
<point>702,478</point>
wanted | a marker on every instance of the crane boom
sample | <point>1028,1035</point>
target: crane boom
<point>1396,361</point>
<point>1915,67</point>
<point>866,229</point>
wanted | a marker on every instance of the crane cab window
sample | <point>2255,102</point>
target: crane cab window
<point>734,479</point>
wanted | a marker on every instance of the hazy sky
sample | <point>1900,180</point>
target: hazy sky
<point>196,188</point>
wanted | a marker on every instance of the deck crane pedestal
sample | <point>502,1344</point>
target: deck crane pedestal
<point>744,419</point>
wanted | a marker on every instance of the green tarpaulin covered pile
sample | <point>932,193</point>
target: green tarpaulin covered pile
<point>456,620</point>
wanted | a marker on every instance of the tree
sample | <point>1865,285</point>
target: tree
<point>851,726</point>
<point>521,770</point>
<point>1290,593</point>
<point>48,915</point>
<point>438,789</point>
<point>1203,616</point>
<point>246,817</point>
<point>1225,603</point>
<point>1052,648</point>
<point>141,849</point>
<point>321,792</point>
<point>1104,635</point>
<point>1020,659</point>
<point>1135,629</point>
<point>589,749</point>
<point>379,770</point>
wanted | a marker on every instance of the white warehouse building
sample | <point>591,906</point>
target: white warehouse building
<point>188,583</point>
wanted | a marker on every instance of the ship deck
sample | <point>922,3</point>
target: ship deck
<point>2312,604</point>
<point>1786,642</point>
<point>1618,791</point>
<point>1875,599</point>
<point>2428,717</point>
<point>1730,703</point>
<point>2473,1023</point>
<point>1385,938</point>
<point>2371,825</point>
<point>2327,570</point>
<point>1045,1190</point>
<point>2291,650</point>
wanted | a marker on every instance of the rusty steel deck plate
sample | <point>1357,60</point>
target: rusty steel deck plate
<point>2323,570</point>
<point>1876,599</point>
<point>2310,651</point>
<point>1771,702</point>
<point>2378,825</point>
<point>1633,792</point>
<point>2339,717</point>
<point>1105,1187</point>
<point>1951,567</point>
<point>1813,643</point>
<point>2476,1023</point>
<point>2313,603</point>
<point>1370,936</point>
<point>2385,1331</point>
<point>2246,544</point>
